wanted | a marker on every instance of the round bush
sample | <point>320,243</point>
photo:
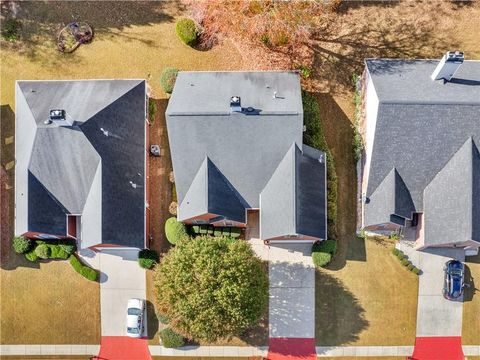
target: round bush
<point>31,256</point>
<point>43,251</point>
<point>168,78</point>
<point>21,244</point>
<point>187,31</point>
<point>147,258</point>
<point>170,339</point>
<point>175,230</point>
<point>326,246</point>
<point>321,259</point>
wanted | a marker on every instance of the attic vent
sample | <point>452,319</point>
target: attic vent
<point>235,104</point>
<point>449,64</point>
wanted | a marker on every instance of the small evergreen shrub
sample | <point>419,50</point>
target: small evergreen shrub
<point>21,244</point>
<point>170,339</point>
<point>405,262</point>
<point>395,251</point>
<point>416,271</point>
<point>152,109</point>
<point>175,230</point>
<point>168,78</point>
<point>68,248</point>
<point>43,251</point>
<point>11,29</point>
<point>85,271</point>
<point>31,256</point>
<point>410,267</point>
<point>322,252</point>
<point>147,258</point>
<point>163,319</point>
<point>235,232</point>
<point>196,229</point>
<point>321,259</point>
<point>187,31</point>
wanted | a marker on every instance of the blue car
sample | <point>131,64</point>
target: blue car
<point>453,284</point>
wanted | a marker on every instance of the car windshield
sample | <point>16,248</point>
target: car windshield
<point>132,330</point>
<point>134,311</point>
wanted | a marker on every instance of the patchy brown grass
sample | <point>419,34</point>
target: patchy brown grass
<point>47,303</point>
<point>372,300</point>
<point>471,305</point>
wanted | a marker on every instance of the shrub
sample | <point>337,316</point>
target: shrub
<point>211,288</point>
<point>321,259</point>
<point>235,232</point>
<point>152,109</point>
<point>405,262</point>
<point>11,29</point>
<point>21,244</point>
<point>163,319</point>
<point>395,251</point>
<point>357,138</point>
<point>410,266</point>
<point>315,137</point>
<point>85,271</point>
<point>175,230</point>
<point>147,258</point>
<point>43,251</point>
<point>218,232</point>
<point>187,31</point>
<point>265,39</point>
<point>196,229</point>
<point>68,248</point>
<point>172,209</point>
<point>416,271</point>
<point>168,78</point>
<point>171,339</point>
<point>326,246</point>
<point>31,256</point>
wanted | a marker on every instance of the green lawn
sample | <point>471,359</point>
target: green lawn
<point>471,305</point>
<point>372,300</point>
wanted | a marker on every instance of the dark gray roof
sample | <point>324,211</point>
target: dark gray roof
<point>246,148</point>
<point>390,198</point>
<point>420,125</point>
<point>293,201</point>
<point>108,131</point>
<point>210,192</point>
<point>452,199</point>
<point>409,82</point>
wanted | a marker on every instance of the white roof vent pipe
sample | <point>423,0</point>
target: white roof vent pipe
<point>235,104</point>
<point>448,65</point>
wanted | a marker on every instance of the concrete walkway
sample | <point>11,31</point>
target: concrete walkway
<point>292,289</point>
<point>322,351</point>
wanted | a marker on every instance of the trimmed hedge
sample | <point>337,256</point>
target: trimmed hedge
<point>175,230</point>
<point>57,252</point>
<point>31,256</point>
<point>147,258</point>
<point>226,231</point>
<point>85,271</point>
<point>187,31</point>
<point>43,251</point>
<point>315,137</point>
<point>168,78</point>
<point>21,244</point>
<point>323,251</point>
<point>171,339</point>
<point>68,248</point>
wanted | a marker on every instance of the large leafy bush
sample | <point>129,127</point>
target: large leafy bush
<point>187,31</point>
<point>210,288</point>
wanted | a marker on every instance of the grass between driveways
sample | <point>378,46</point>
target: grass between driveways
<point>471,304</point>
<point>47,303</point>
<point>372,300</point>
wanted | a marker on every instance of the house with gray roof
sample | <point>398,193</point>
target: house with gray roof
<point>237,151</point>
<point>80,161</point>
<point>421,173</point>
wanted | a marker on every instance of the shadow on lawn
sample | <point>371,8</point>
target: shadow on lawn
<point>41,22</point>
<point>470,291</point>
<point>339,317</point>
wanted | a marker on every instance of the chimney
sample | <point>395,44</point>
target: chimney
<point>449,64</point>
<point>235,104</point>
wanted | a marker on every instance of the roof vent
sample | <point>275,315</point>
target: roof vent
<point>59,117</point>
<point>449,64</point>
<point>235,104</point>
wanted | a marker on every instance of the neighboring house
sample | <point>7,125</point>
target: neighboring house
<point>237,153</point>
<point>80,161</point>
<point>422,139</point>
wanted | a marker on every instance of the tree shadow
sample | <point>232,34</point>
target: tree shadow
<point>42,21</point>
<point>339,317</point>
<point>152,320</point>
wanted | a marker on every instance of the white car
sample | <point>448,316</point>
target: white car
<point>135,312</point>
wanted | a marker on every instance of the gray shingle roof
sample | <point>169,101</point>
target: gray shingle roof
<point>420,125</point>
<point>210,192</point>
<point>452,199</point>
<point>293,201</point>
<point>246,148</point>
<point>64,160</point>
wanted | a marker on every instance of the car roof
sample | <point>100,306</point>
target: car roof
<point>135,303</point>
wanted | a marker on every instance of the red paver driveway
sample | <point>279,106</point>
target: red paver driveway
<point>438,348</point>
<point>291,349</point>
<point>123,348</point>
